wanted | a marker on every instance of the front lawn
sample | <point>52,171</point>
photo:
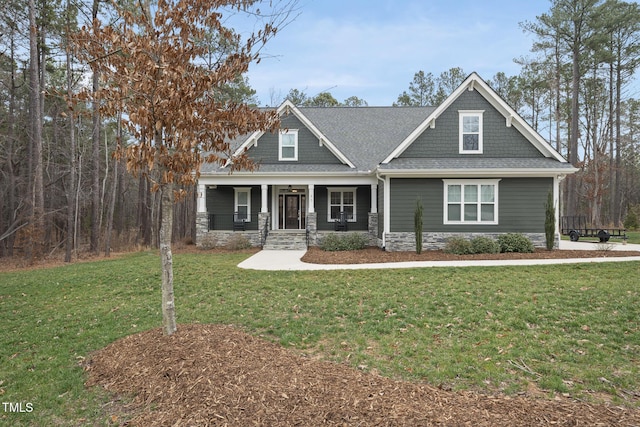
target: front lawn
<point>565,329</point>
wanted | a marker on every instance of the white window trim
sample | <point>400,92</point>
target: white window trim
<point>342,190</point>
<point>238,190</point>
<point>293,132</point>
<point>477,182</point>
<point>470,113</point>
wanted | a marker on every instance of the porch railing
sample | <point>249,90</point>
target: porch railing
<point>233,222</point>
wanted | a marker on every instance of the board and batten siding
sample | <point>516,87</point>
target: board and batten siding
<point>363,206</point>
<point>309,149</point>
<point>520,206</point>
<point>220,203</point>
<point>499,141</point>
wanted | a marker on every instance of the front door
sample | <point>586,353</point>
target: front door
<point>292,211</point>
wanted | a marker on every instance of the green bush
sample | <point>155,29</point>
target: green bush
<point>550,222</point>
<point>484,245</point>
<point>631,220</point>
<point>344,242</point>
<point>514,242</point>
<point>458,246</point>
<point>417,222</point>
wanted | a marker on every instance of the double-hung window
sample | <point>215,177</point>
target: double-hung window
<point>242,204</point>
<point>470,132</point>
<point>342,200</point>
<point>288,145</point>
<point>471,201</point>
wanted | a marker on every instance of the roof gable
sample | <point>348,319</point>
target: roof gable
<point>512,118</point>
<point>288,107</point>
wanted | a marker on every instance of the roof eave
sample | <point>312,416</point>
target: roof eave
<point>477,173</point>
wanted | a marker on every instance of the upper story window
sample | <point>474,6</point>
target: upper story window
<point>288,145</point>
<point>470,132</point>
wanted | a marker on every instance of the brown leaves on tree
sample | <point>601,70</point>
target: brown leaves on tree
<point>151,74</point>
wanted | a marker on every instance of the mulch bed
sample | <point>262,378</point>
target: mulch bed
<point>207,375</point>
<point>375,255</point>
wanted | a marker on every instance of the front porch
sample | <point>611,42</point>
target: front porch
<point>290,216</point>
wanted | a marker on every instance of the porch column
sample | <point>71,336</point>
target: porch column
<point>265,194</point>
<point>374,198</point>
<point>202,198</point>
<point>311,208</point>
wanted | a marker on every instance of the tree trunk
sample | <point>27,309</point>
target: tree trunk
<point>95,172</point>
<point>12,214</point>
<point>617,187</point>
<point>95,154</point>
<point>111,210</point>
<point>37,192</point>
<point>166,258</point>
<point>71,189</point>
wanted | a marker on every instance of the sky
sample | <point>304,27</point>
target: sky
<point>372,48</point>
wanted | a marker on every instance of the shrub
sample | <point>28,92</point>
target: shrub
<point>417,222</point>
<point>207,241</point>
<point>458,246</point>
<point>550,222</point>
<point>484,245</point>
<point>344,242</point>
<point>631,220</point>
<point>514,242</point>
<point>238,242</point>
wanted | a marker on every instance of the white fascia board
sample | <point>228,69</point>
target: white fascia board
<point>288,179</point>
<point>514,119</point>
<point>475,82</point>
<point>430,118</point>
<point>476,173</point>
<point>323,140</point>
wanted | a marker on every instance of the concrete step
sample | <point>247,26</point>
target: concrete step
<point>286,240</point>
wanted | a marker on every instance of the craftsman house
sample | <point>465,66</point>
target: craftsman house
<point>474,164</point>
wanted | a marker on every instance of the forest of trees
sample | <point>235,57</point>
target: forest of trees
<point>62,190</point>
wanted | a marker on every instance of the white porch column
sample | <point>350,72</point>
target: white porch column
<point>202,198</point>
<point>265,194</point>
<point>311,208</point>
<point>374,198</point>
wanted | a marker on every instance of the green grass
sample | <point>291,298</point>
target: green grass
<point>633,237</point>
<point>567,328</point>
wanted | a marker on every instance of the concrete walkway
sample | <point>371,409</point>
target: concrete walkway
<point>290,260</point>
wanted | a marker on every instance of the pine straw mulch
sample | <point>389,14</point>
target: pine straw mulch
<point>207,375</point>
<point>315,255</point>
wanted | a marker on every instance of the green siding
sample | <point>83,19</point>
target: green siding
<point>363,204</point>
<point>220,203</point>
<point>499,141</point>
<point>309,149</point>
<point>520,206</point>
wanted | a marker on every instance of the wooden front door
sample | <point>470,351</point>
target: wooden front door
<point>292,211</point>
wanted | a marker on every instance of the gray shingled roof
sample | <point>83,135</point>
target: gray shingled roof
<point>477,163</point>
<point>366,135</point>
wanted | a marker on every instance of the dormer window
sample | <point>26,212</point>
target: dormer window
<point>288,145</point>
<point>470,132</point>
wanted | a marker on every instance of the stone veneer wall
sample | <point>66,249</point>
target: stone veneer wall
<point>435,241</point>
<point>312,226</point>
<point>373,229</point>
<point>220,238</point>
